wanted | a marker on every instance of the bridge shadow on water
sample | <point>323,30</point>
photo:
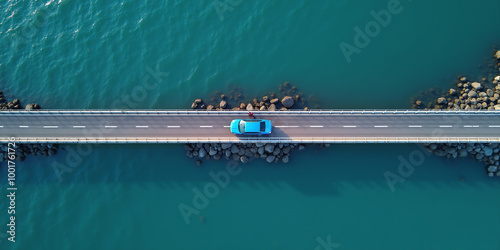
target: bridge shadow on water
<point>313,171</point>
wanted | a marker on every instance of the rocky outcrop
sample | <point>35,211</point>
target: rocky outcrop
<point>287,101</point>
<point>470,96</point>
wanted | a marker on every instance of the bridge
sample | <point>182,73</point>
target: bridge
<point>291,126</point>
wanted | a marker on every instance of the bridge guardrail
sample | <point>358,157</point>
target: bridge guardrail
<point>70,140</point>
<point>232,112</point>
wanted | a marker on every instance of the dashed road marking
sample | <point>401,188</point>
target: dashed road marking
<point>291,126</point>
<point>227,126</point>
<point>173,126</point>
<point>316,126</point>
<point>50,126</point>
<point>1,126</point>
<point>142,126</point>
<point>206,126</point>
<point>381,126</point>
<point>471,126</point>
<point>110,126</point>
<point>494,126</point>
<point>24,126</point>
<point>349,126</point>
<point>445,126</point>
<point>415,126</point>
<point>78,126</point>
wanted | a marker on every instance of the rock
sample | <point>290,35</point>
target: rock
<point>265,98</point>
<point>194,105</point>
<point>249,106</point>
<point>234,149</point>
<point>287,101</point>
<point>479,156</point>
<point>452,92</point>
<point>497,107</point>
<point>492,168</point>
<point>276,151</point>
<point>272,107</point>
<point>225,145</point>
<point>263,108</point>
<point>223,104</point>
<point>244,159</point>
<point>227,153</point>
<point>285,159</point>
<point>476,85</point>
<point>29,106</point>
<point>270,158</point>
<point>243,106</point>
<point>487,151</point>
<point>462,152</point>
<point>202,153</point>
<point>275,101</point>
<point>301,147</point>
<point>260,144</point>
<point>497,55</point>
<point>222,96</point>
<point>210,107</point>
<point>198,101</point>
<point>490,92</point>
<point>472,94</point>
<point>16,102</point>
<point>441,100</point>
<point>269,148</point>
<point>464,79</point>
<point>260,151</point>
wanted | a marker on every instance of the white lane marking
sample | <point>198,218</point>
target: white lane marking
<point>206,126</point>
<point>290,126</point>
<point>471,126</point>
<point>78,126</point>
<point>445,126</point>
<point>349,126</point>
<point>318,126</point>
<point>1,126</point>
<point>494,126</point>
<point>227,126</point>
<point>142,126</point>
<point>381,126</point>
<point>173,126</point>
<point>415,126</point>
<point>50,126</point>
<point>110,126</point>
<point>24,126</point>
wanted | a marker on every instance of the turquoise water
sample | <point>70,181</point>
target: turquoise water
<point>100,54</point>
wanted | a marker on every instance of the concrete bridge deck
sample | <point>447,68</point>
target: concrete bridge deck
<point>314,126</point>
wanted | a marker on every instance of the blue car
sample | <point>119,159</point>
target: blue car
<point>251,127</point>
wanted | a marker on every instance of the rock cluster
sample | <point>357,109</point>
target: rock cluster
<point>23,150</point>
<point>292,98</point>
<point>15,104</point>
<point>473,96</point>
<point>244,152</point>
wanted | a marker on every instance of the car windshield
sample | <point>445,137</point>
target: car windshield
<point>242,126</point>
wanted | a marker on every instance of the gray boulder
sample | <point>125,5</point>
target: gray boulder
<point>244,159</point>
<point>272,107</point>
<point>225,145</point>
<point>274,101</point>
<point>212,151</point>
<point>234,149</point>
<point>490,92</point>
<point>202,153</point>
<point>249,106</point>
<point>452,92</point>
<point>287,101</point>
<point>285,159</point>
<point>269,148</point>
<point>476,85</point>
<point>223,104</point>
<point>472,93</point>
<point>487,151</point>
<point>270,158</point>
<point>441,100</point>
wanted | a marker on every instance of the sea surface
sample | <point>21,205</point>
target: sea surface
<point>158,54</point>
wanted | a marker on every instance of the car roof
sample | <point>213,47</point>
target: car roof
<point>252,126</point>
